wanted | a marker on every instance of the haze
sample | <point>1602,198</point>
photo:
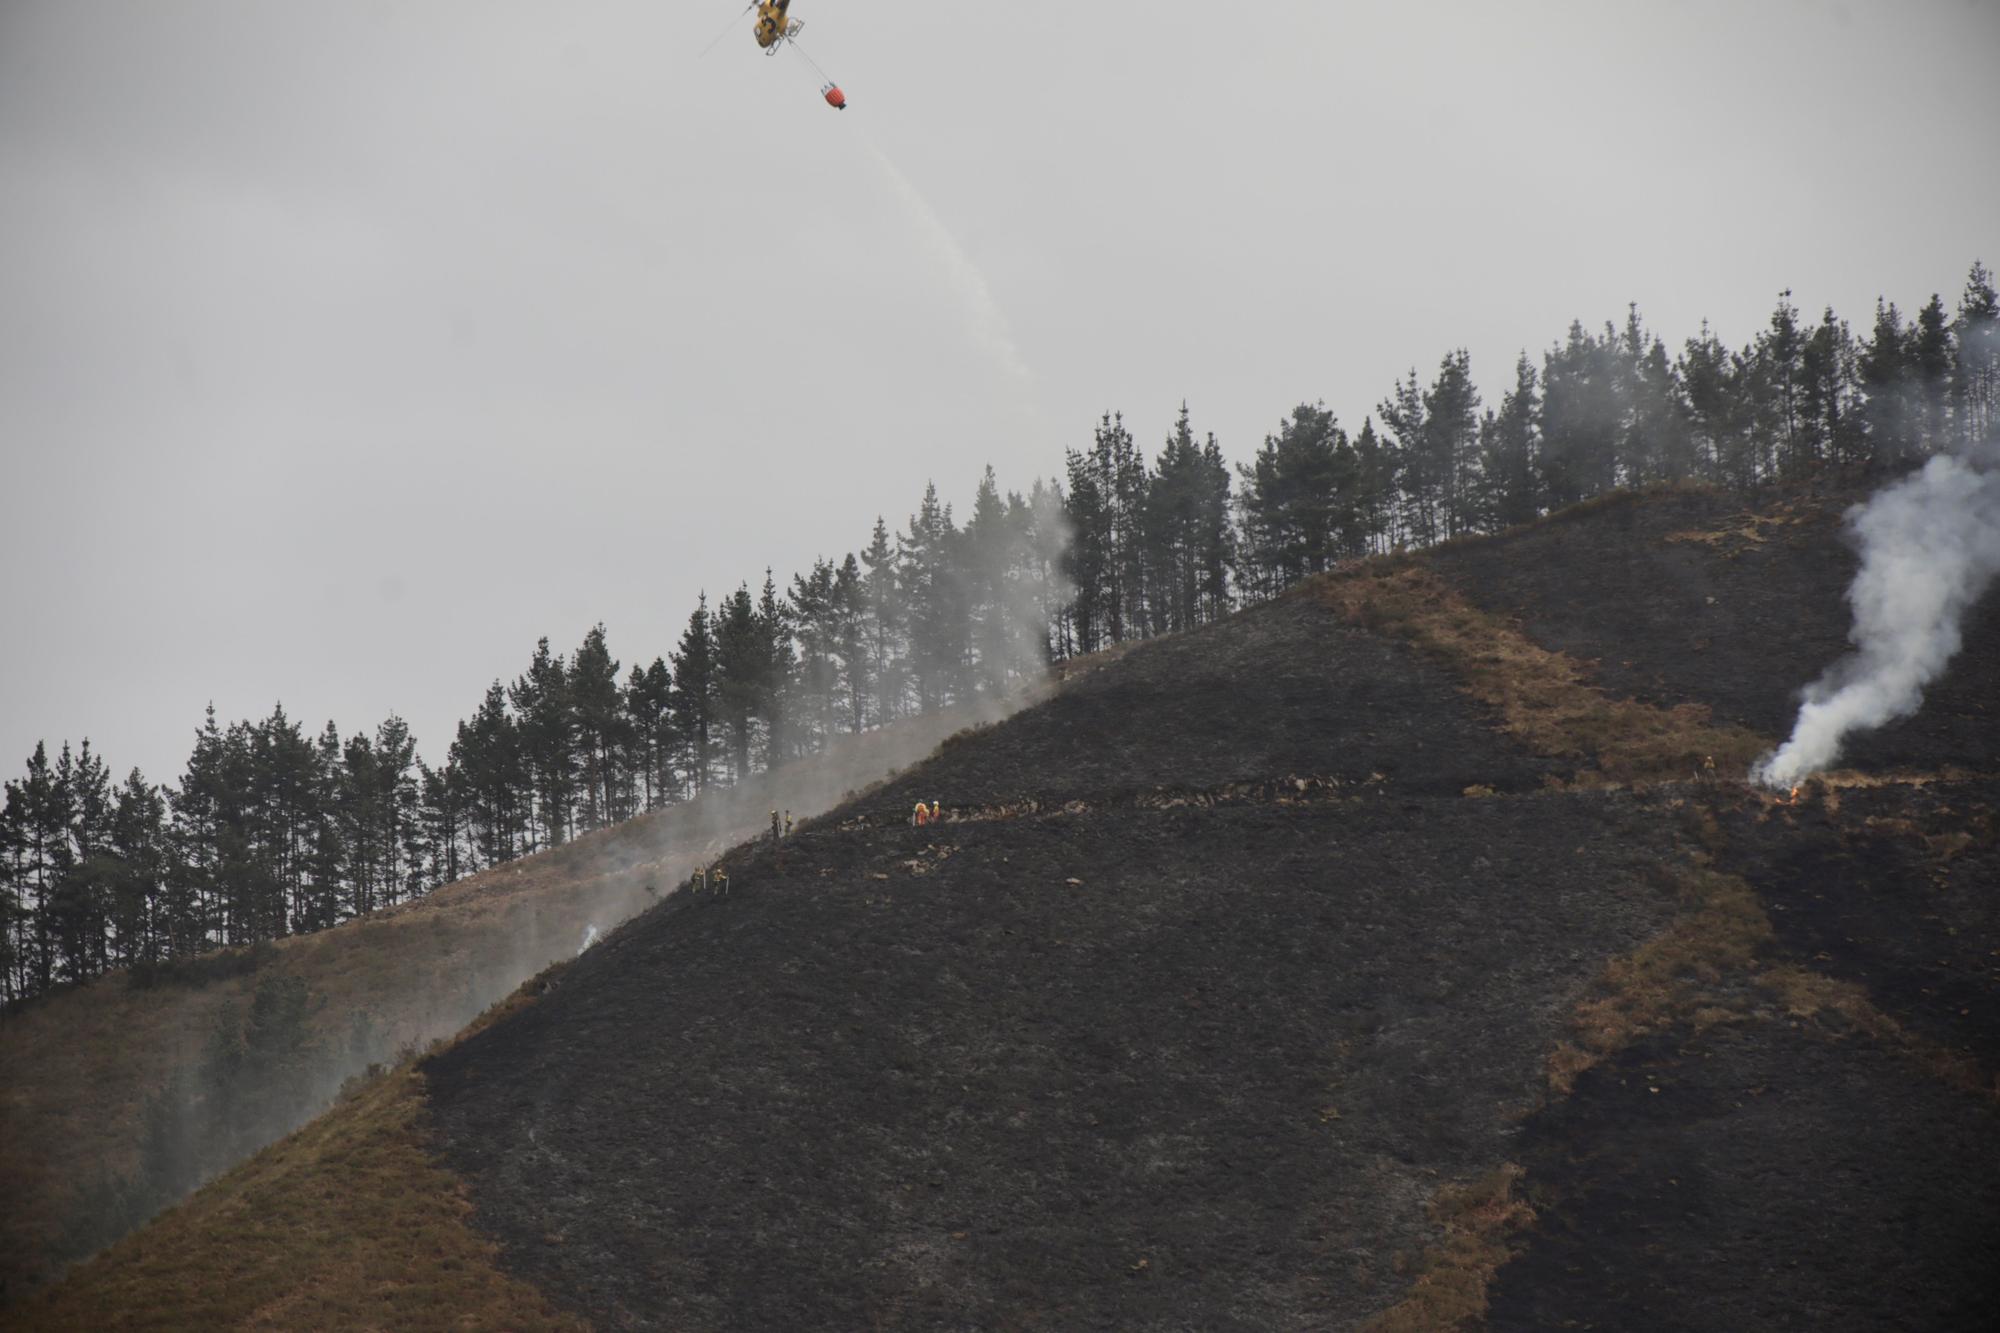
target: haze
<point>346,350</point>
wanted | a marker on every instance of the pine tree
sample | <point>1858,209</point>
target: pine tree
<point>852,621</point>
<point>80,914</point>
<point>986,577</point>
<point>1976,377</point>
<point>1709,376</point>
<point>487,754</point>
<point>883,585</point>
<point>1657,444</point>
<point>742,666</point>
<point>1174,516</point>
<point>1508,493</point>
<point>323,884</point>
<point>1829,427</point>
<point>597,721</point>
<point>548,744</point>
<point>1933,361</point>
<point>1888,409</point>
<point>648,710</point>
<point>1583,416</point>
<point>15,920</point>
<point>1776,371</point>
<point>442,813</point>
<point>1450,444</point>
<point>938,628</point>
<point>1294,499</point>
<point>359,807</point>
<point>1217,539</point>
<point>138,839</point>
<point>775,633</point>
<point>1087,563</point>
<point>402,831</point>
<point>1378,477</point>
<point>693,709</point>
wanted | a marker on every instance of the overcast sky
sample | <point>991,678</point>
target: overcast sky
<point>348,348</point>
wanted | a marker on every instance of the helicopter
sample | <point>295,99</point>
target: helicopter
<point>775,29</point>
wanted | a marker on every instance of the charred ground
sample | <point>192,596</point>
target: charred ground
<point>1690,597</point>
<point>1105,1068</point>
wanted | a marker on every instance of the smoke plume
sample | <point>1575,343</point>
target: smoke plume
<point>1930,545</point>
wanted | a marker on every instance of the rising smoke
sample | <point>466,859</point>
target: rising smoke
<point>1930,545</point>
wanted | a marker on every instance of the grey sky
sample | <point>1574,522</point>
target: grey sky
<point>345,349</point>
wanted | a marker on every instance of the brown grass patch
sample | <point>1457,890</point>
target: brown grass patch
<point>345,1224</point>
<point>1543,698</point>
<point>1669,979</point>
<point>1806,994</point>
<point>1483,1220</point>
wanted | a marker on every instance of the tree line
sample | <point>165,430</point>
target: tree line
<point>272,831</point>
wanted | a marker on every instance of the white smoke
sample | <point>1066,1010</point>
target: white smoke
<point>589,938</point>
<point>1930,545</point>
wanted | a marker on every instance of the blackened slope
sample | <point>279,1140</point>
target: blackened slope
<point>1281,689</point>
<point>1211,1085</point>
<point>1891,889</point>
<point>1760,1178</point>
<point>1740,622</point>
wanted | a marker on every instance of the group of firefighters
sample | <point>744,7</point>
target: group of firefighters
<point>713,877</point>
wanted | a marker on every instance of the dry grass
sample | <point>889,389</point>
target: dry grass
<point>1483,1221</point>
<point>1671,978</point>
<point>1806,994</point>
<point>346,1224</point>
<point>1543,698</point>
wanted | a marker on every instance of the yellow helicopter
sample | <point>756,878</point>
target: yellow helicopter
<point>775,26</point>
<point>775,29</point>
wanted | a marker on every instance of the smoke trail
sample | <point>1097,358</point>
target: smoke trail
<point>982,312</point>
<point>1930,545</point>
<point>589,938</point>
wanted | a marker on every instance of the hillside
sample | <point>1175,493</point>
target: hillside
<point>1378,956</point>
<point>115,1101</point>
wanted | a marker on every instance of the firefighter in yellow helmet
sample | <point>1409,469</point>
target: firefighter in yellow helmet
<point>920,816</point>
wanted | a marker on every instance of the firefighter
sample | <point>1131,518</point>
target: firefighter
<point>774,828</point>
<point>788,823</point>
<point>721,881</point>
<point>937,812</point>
<point>698,881</point>
<point>921,816</point>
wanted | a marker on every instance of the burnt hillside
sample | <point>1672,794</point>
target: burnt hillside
<point>1692,597</point>
<point>1219,992</point>
<point>1379,957</point>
